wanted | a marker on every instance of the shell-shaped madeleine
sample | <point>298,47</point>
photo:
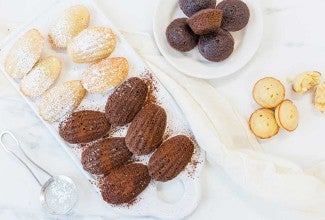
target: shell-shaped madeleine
<point>23,55</point>
<point>41,77</point>
<point>68,25</point>
<point>61,100</point>
<point>105,75</point>
<point>92,44</point>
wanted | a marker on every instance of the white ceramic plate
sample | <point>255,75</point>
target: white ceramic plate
<point>192,63</point>
<point>172,200</point>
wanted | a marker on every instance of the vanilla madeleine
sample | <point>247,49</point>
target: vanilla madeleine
<point>105,75</point>
<point>61,100</point>
<point>68,25</point>
<point>92,44</point>
<point>41,77</point>
<point>23,55</point>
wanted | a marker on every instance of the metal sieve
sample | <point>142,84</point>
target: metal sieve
<point>58,195</point>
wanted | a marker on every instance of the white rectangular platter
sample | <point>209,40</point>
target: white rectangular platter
<point>150,202</point>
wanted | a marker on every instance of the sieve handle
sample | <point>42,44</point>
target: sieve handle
<point>17,145</point>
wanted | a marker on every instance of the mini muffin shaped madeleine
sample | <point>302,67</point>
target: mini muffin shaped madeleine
<point>268,92</point>
<point>24,54</point>
<point>263,123</point>
<point>306,81</point>
<point>320,97</point>
<point>61,100</point>
<point>68,25</point>
<point>105,75</point>
<point>92,44</point>
<point>287,115</point>
<point>41,77</point>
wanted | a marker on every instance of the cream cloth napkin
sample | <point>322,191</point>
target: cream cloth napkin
<point>224,135</point>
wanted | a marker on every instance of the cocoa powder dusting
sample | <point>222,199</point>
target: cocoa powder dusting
<point>152,86</point>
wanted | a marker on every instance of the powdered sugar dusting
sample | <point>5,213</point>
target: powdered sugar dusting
<point>68,25</point>
<point>92,44</point>
<point>41,77</point>
<point>61,100</point>
<point>103,76</point>
<point>24,54</point>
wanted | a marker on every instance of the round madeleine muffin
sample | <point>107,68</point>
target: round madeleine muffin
<point>205,21</point>
<point>287,115</point>
<point>263,123</point>
<point>180,36</point>
<point>235,14</point>
<point>268,92</point>
<point>190,7</point>
<point>216,46</point>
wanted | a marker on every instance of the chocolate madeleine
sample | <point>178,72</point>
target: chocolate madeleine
<point>124,184</point>
<point>84,126</point>
<point>104,155</point>
<point>126,101</point>
<point>171,158</point>
<point>146,130</point>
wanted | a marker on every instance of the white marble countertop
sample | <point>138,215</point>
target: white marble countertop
<point>293,42</point>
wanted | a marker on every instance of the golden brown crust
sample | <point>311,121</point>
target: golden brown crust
<point>92,44</point>
<point>287,115</point>
<point>268,92</point>
<point>263,124</point>
<point>68,25</point>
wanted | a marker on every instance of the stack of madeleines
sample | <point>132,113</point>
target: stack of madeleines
<point>276,111</point>
<point>84,45</point>
<point>208,26</point>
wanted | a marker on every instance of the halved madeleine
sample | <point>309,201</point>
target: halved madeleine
<point>24,54</point>
<point>41,77</point>
<point>105,75</point>
<point>320,97</point>
<point>306,81</point>
<point>61,100</point>
<point>287,115</point>
<point>92,44</point>
<point>263,124</point>
<point>68,25</point>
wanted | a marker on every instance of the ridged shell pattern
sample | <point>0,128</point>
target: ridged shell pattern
<point>171,158</point>
<point>125,184</point>
<point>126,101</point>
<point>104,155</point>
<point>146,130</point>
<point>84,126</point>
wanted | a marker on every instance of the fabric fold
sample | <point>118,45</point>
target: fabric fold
<point>224,135</point>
